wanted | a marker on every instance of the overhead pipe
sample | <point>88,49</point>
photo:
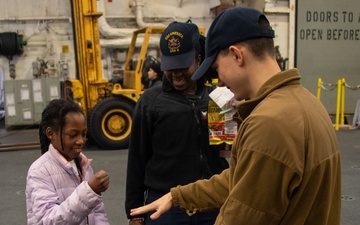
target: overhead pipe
<point>139,5</point>
<point>110,32</point>
<point>123,35</point>
<point>125,42</point>
<point>34,18</point>
<point>106,30</point>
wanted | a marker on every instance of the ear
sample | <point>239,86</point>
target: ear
<point>50,133</point>
<point>198,60</point>
<point>237,54</point>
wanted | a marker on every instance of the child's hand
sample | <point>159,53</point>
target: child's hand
<point>99,182</point>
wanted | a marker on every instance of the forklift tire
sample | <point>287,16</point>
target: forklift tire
<point>110,123</point>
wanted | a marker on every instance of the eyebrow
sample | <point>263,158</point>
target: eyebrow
<point>75,130</point>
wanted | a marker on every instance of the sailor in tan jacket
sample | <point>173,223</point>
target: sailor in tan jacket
<point>285,162</point>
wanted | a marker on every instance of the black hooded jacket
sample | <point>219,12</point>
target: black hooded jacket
<point>169,143</point>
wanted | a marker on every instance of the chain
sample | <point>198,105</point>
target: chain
<point>352,88</point>
<point>330,87</point>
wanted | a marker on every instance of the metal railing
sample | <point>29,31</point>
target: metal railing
<point>340,100</point>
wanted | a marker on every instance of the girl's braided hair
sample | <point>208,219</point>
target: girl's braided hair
<point>54,116</point>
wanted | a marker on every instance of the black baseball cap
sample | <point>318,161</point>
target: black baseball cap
<point>231,26</point>
<point>156,68</point>
<point>177,45</point>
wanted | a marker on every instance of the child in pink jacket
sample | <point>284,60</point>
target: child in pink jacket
<point>61,187</point>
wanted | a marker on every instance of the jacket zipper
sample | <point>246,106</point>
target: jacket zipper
<point>80,172</point>
<point>201,157</point>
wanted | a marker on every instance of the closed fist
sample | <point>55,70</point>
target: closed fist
<point>99,182</point>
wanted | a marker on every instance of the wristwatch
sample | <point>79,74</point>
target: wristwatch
<point>140,219</point>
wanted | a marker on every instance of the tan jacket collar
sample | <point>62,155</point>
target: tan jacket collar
<point>288,77</point>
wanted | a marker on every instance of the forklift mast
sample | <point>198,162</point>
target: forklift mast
<point>90,86</point>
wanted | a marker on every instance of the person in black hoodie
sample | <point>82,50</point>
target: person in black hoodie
<point>169,143</point>
<point>155,75</point>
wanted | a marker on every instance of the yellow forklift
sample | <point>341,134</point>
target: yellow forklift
<point>109,106</point>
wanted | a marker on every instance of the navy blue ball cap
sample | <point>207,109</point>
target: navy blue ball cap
<point>231,26</point>
<point>177,45</point>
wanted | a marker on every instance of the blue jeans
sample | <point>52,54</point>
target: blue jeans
<point>177,216</point>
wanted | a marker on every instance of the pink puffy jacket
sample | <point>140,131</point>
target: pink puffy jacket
<point>54,194</point>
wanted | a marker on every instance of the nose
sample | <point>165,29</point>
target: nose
<point>81,140</point>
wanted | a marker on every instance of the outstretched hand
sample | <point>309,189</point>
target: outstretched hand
<point>160,206</point>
